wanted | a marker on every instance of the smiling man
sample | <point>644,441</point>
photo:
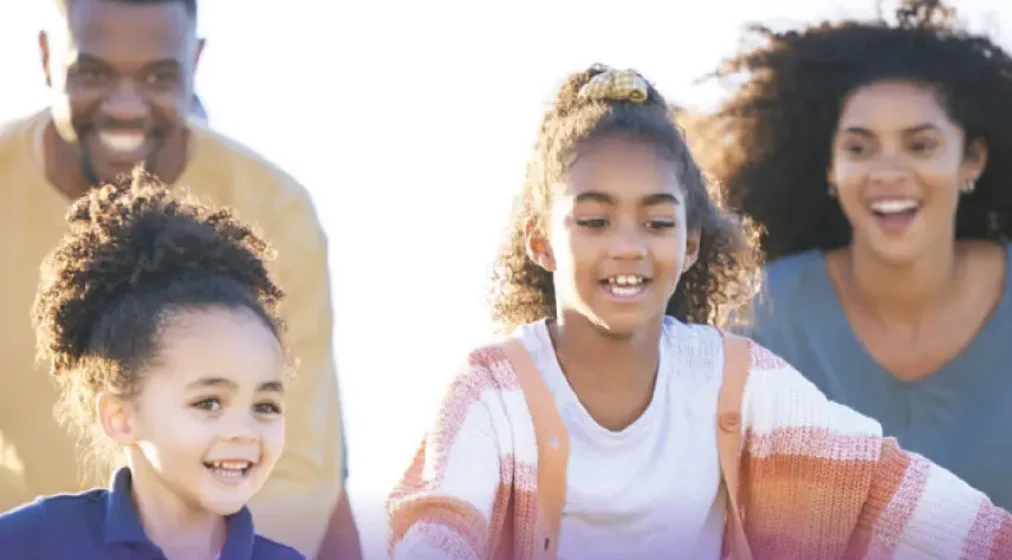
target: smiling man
<point>121,74</point>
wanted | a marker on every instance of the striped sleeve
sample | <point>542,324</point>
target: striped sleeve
<point>916,509</point>
<point>442,506</point>
<point>847,491</point>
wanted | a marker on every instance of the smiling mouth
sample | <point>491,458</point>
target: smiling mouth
<point>625,285</point>
<point>895,214</point>
<point>891,207</point>
<point>229,470</point>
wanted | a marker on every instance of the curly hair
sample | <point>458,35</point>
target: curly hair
<point>769,144</point>
<point>137,253</point>
<point>716,288</point>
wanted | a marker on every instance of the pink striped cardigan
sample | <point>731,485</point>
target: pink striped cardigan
<point>817,480</point>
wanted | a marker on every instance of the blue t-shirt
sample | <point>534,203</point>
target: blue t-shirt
<point>960,416</point>
<point>103,524</point>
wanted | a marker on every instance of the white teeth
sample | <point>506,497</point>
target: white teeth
<point>625,290</point>
<point>122,142</point>
<point>231,465</point>
<point>893,206</point>
<point>625,285</point>
<point>626,280</point>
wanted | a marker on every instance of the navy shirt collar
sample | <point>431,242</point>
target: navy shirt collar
<point>123,525</point>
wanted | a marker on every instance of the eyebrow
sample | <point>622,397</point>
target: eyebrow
<point>649,200</point>
<point>861,131</point>
<point>269,386</point>
<point>165,63</point>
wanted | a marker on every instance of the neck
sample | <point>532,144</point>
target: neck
<point>169,521</point>
<point>902,292</point>
<point>591,356</point>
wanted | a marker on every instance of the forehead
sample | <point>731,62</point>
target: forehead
<point>231,344</point>
<point>621,167</point>
<point>893,105</point>
<point>124,32</point>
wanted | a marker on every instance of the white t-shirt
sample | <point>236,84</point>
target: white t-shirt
<point>649,491</point>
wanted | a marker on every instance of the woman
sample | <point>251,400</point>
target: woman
<point>874,157</point>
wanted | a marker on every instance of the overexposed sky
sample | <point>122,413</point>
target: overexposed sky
<point>410,123</point>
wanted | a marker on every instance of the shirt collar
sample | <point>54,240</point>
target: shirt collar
<point>123,525</point>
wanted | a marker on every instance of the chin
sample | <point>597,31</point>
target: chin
<point>225,505</point>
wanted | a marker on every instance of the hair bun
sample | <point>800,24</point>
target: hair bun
<point>136,236</point>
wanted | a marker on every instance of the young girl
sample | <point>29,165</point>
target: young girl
<point>877,159</point>
<point>616,251</point>
<point>159,319</point>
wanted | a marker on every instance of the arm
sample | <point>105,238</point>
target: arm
<point>886,502</point>
<point>916,508</point>
<point>297,500</point>
<point>443,505</point>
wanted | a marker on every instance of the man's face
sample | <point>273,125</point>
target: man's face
<point>122,78</point>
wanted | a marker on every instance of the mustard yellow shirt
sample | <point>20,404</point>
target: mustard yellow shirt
<point>37,457</point>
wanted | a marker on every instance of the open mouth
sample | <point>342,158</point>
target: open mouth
<point>895,213</point>
<point>625,285</point>
<point>229,470</point>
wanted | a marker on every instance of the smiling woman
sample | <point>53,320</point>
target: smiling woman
<point>160,321</point>
<point>876,158</point>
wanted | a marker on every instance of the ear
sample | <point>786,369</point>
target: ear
<point>691,249</point>
<point>975,161</point>
<point>44,54</point>
<point>537,246</point>
<point>116,415</point>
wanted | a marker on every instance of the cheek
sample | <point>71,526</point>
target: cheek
<point>669,250</point>
<point>273,438</point>
<point>169,107</point>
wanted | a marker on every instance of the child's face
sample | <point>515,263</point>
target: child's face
<point>209,422</point>
<point>617,237</point>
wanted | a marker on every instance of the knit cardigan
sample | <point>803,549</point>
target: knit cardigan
<point>817,480</point>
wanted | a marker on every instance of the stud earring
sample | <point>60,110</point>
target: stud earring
<point>967,187</point>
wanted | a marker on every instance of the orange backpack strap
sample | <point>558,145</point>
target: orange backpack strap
<point>553,446</point>
<point>737,360</point>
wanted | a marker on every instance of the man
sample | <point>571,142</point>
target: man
<point>121,73</point>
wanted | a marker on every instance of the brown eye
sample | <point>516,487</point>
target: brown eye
<point>210,404</point>
<point>267,408</point>
<point>594,223</point>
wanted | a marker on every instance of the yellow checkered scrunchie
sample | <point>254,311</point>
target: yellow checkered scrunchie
<point>616,85</point>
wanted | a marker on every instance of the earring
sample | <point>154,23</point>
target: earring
<point>967,187</point>
<point>832,190</point>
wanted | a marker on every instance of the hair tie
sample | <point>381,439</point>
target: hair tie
<point>616,85</point>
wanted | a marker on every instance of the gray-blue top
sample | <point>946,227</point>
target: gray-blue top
<point>960,416</point>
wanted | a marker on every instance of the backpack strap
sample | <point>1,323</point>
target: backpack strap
<point>553,447</point>
<point>737,360</point>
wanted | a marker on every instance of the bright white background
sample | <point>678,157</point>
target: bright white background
<point>410,123</point>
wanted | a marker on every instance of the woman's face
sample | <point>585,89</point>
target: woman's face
<point>898,162</point>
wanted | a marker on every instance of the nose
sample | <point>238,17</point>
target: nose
<point>889,172</point>
<point>241,427</point>
<point>125,103</point>
<point>628,243</point>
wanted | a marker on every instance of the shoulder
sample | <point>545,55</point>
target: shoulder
<point>16,134</point>
<point>790,288</point>
<point>787,277</point>
<point>695,350</point>
<point>267,549</point>
<point>251,177</point>
<point>65,514</point>
<point>778,398</point>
